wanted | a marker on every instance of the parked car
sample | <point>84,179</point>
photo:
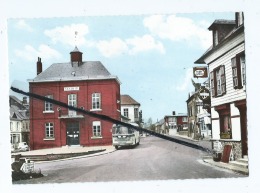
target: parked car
<point>23,146</point>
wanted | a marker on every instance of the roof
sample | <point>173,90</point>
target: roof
<point>66,72</point>
<point>221,22</point>
<point>16,113</point>
<point>127,100</point>
<point>16,99</point>
<point>232,34</point>
<point>75,50</point>
<point>178,115</point>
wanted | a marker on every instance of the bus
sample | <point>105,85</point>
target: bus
<point>125,136</point>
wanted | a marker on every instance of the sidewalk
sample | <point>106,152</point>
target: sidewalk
<point>232,165</point>
<point>240,166</point>
<point>66,152</point>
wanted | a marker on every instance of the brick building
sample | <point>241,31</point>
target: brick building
<point>83,84</point>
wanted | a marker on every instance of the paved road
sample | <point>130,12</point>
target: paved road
<point>153,159</point>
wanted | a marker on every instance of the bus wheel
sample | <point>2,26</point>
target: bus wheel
<point>116,147</point>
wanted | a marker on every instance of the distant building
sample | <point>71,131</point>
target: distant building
<point>19,121</point>
<point>199,117</point>
<point>84,84</point>
<point>227,69</point>
<point>176,124</point>
<point>130,109</point>
<point>160,127</point>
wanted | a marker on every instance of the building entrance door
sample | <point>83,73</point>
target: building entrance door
<point>73,133</point>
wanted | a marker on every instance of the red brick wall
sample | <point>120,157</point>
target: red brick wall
<point>110,93</point>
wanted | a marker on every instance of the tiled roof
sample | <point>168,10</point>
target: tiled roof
<point>65,71</point>
<point>127,100</point>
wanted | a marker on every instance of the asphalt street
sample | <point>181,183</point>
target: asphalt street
<point>153,159</point>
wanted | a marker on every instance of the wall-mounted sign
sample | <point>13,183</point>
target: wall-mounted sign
<point>71,88</point>
<point>200,72</point>
<point>204,94</point>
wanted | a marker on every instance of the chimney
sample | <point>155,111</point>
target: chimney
<point>39,66</point>
<point>76,57</point>
<point>239,18</point>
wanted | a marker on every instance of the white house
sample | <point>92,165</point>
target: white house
<point>130,109</point>
<point>227,70</point>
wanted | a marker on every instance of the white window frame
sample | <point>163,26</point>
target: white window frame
<point>48,107</point>
<point>243,70</point>
<point>184,119</point>
<point>49,130</point>
<point>126,112</point>
<point>136,113</point>
<point>96,101</point>
<point>96,129</point>
<point>72,101</point>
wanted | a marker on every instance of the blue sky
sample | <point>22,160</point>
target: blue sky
<point>152,55</point>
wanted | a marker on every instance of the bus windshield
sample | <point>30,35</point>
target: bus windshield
<point>122,130</point>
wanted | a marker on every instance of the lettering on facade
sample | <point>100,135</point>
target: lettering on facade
<point>71,88</point>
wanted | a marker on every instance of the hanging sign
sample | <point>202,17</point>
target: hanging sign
<point>200,72</point>
<point>204,94</point>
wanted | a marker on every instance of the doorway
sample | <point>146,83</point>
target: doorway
<point>73,133</point>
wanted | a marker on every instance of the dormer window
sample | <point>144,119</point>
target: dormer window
<point>215,38</point>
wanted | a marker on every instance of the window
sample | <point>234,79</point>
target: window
<point>238,70</point>
<point>190,111</point>
<point>224,121</point>
<point>72,101</point>
<point>215,37</point>
<point>126,112</point>
<point>136,112</point>
<point>49,130</point>
<point>96,101</point>
<point>218,81</point>
<point>48,106</point>
<point>96,129</point>
<point>184,119</point>
<point>225,127</point>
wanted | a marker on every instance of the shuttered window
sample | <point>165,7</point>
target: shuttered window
<point>238,70</point>
<point>212,84</point>
<point>218,81</point>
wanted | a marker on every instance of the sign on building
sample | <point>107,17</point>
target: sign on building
<point>200,72</point>
<point>204,94</point>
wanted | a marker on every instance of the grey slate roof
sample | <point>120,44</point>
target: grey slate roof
<point>17,114</point>
<point>65,72</point>
<point>222,22</point>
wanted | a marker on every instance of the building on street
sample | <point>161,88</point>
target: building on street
<point>177,124</point>
<point>130,109</point>
<point>19,121</point>
<point>227,69</point>
<point>84,84</point>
